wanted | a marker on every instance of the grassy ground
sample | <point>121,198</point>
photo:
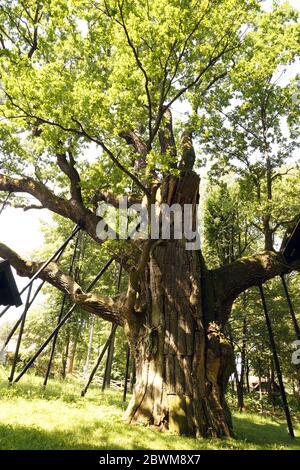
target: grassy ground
<point>58,418</point>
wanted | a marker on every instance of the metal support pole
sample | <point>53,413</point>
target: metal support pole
<point>62,322</point>
<point>4,203</point>
<point>23,319</point>
<point>126,372</point>
<point>31,302</point>
<point>60,315</point>
<point>62,308</point>
<point>277,364</point>
<point>95,368</point>
<point>291,307</point>
<point>52,257</point>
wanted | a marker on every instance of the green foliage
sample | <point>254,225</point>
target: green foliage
<point>112,67</point>
<point>248,127</point>
<point>258,352</point>
<point>228,234</point>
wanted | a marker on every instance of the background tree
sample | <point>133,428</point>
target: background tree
<point>225,206</point>
<point>248,126</point>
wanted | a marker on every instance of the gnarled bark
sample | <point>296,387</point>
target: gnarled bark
<point>182,364</point>
<point>183,359</point>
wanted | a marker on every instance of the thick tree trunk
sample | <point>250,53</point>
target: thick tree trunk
<point>183,360</point>
<point>182,367</point>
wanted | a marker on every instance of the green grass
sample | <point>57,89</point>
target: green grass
<point>58,418</point>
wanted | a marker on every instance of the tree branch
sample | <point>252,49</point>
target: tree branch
<point>140,66</point>
<point>80,132</point>
<point>25,207</point>
<point>68,167</point>
<point>211,62</point>
<point>106,307</point>
<point>249,131</point>
<point>166,137</point>
<point>68,209</point>
<point>105,196</point>
<point>132,138</point>
<point>233,279</point>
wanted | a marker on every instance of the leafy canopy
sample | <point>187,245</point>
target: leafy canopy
<point>80,72</point>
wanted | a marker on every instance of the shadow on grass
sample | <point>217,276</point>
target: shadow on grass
<point>263,434</point>
<point>115,436</point>
<point>58,418</point>
<point>112,437</point>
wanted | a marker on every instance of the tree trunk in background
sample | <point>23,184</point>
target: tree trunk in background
<point>243,363</point>
<point>71,361</point>
<point>268,234</point>
<point>65,356</point>
<point>260,394</point>
<point>266,219</point>
<point>183,359</point>
<point>238,383</point>
<point>271,390</point>
<point>240,395</point>
<point>89,348</point>
<point>109,361</point>
<point>133,375</point>
<point>247,371</point>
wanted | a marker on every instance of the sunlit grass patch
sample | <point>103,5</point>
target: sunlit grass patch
<point>59,418</point>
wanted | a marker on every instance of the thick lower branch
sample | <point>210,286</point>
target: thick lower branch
<point>233,279</point>
<point>108,308</point>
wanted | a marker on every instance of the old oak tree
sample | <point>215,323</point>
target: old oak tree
<point>89,112</point>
